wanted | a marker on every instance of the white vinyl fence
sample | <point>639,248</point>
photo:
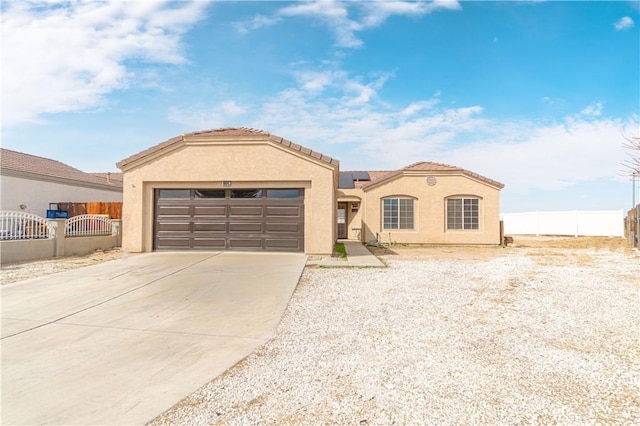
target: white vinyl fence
<point>25,237</point>
<point>602,223</point>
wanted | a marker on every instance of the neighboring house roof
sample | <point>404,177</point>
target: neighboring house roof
<point>230,132</point>
<point>33,166</point>
<point>378,177</point>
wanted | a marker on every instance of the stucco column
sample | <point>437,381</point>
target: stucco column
<point>116,230</point>
<point>57,227</point>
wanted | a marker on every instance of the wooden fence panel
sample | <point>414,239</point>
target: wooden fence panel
<point>74,209</point>
<point>111,208</point>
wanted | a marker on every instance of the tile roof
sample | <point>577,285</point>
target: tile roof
<point>26,163</point>
<point>230,132</point>
<point>423,166</point>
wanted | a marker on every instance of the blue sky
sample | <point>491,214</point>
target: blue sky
<point>537,95</point>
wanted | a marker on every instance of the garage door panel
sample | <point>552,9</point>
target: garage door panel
<point>245,211</point>
<point>286,211</point>
<point>245,243</point>
<point>291,244</point>
<point>245,227</point>
<point>174,210</point>
<point>283,227</point>
<point>174,242</point>
<point>210,227</point>
<point>173,226</point>
<point>218,243</point>
<point>215,211</point>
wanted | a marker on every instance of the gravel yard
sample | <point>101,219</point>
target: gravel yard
<point>527,334</point>
<point>545,331</point>
<point>21,271</point>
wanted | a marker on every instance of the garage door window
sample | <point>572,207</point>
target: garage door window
<point>174,193</point>
<point>283,193</point>
<point>210,193</point>
<point>246,193</point>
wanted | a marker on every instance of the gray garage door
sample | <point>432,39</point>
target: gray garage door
<point>229,219</point>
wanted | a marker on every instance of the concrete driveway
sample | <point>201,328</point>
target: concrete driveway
<point>120,342</point>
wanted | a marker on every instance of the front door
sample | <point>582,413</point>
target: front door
<point>342,221</point>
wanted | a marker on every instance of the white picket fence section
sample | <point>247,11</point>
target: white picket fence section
<point>23,226</point>
<point>27,226</point>
<point>87,225</point>
<point>600,223</point>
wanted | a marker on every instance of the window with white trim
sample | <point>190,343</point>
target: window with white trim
<point>463,213</point>
<point>397,213</point>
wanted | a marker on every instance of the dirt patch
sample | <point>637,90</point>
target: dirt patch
<point>21,271</point>
<point>552,247</point>
<point>598,243</point>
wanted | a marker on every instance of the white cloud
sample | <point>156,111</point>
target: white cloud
<point>66,56</point>
<point>345,116</point>
<point>378,12</point>
<point>332,13</point>
<point>525,154</point>
<point>552,156</point>
<point>345,19</point>
<point>258,21</point>
<point>593,110</point>
<point>201,117</point>
<point>231,108</point>
<point>624,23</point>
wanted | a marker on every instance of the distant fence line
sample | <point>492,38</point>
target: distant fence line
<point>632,226</point>
<point>25,236</point>
<point>599,223</point>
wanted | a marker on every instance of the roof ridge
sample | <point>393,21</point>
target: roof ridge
<point>41,158</point>
<point>432,163</point>
<point>22,162</point>
<point>239,132</point>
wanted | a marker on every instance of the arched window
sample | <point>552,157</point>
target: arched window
<point>463,213</point>
<point>397,213</point>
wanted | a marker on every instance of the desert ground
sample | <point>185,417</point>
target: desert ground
<point>542,331</point>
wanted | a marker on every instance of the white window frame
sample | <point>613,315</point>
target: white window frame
<point>397,215</point>
<point>469,206</point>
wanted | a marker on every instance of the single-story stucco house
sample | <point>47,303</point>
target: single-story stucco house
<point>30,183</point>
<point>246,189</point>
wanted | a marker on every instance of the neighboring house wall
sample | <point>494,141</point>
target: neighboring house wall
<point>246,163</point>
<point>430,210</point>
<point>36,193</point>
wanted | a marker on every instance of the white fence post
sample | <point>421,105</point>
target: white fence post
<point>116,230</point>
<point>57,227</point>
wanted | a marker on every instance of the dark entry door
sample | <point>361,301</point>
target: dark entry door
<point>342,221</point>
<point>270,219</point>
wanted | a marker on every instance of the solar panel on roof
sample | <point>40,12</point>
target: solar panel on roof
<point>346,181</point>
<point>364,176</point>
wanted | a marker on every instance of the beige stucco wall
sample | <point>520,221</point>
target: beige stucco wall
<point>36,194</point>
<point>430,226</point>
<point>246,164</point>
<point>354,218</point>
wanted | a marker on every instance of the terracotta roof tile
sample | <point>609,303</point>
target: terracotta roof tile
<point>423,166</point>
<point>226,132</point>
<point>26,163</point>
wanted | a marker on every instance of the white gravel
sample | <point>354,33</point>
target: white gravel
<point>521,337</point>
